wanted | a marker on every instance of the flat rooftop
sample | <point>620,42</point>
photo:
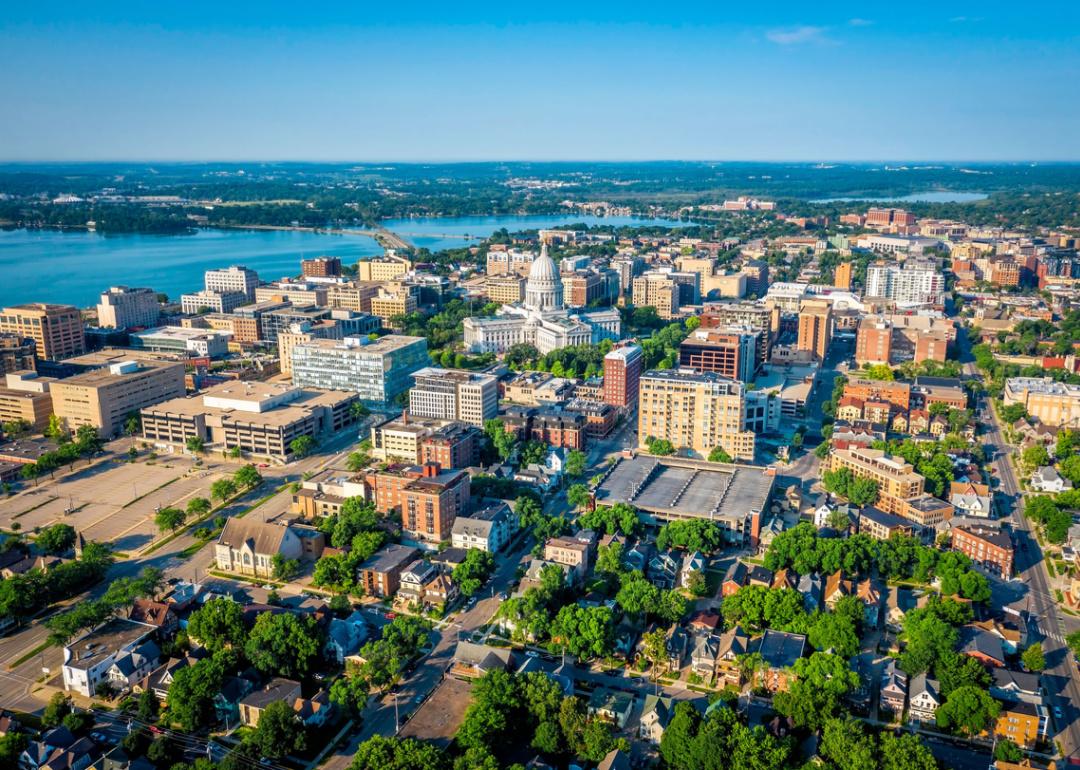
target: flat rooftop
<point>105,640</point>
<point>685,488</point>
<point>282,414</point>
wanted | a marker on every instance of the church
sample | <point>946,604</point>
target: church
<point>541,320</point>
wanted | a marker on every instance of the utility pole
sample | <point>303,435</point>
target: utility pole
<point>397,721</point>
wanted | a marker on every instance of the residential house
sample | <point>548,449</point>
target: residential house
<point>924,697</point>
<point>277,689</point>
<point>676,644</point>
<point>1023,723</point>
<point>488,529</point>
<point>161,678</point>
<point>655,716</point>
<point>870,596</point>
<point>735,578</point>
<point>971,499</point>
<point>248,546</point>
<point>693,563</point>
<point>663,571</point>
<point>59,749</point>
<point>344,637</point>
<point>89,661</point>
<point>898,603</point>
<point>636,557</point>
<point>784,578</point>
<point>380,575</point>
<point>811,588</point>
<point>703,656</point>
<point>315,711</point>
<point>779,651</point>
<point>118,759</point>
<point>759,576</point>
<point>836,588</point>
<point>1013,636</point>
<point>612,706</point>
<point>731,647</point>
<point>982,645</point>
<point>1010,684</point>
<point>704,622</point>
<point>157,614</point>
<point>227,699</point>
<point>1047,479</point>
<point>413,579</point>
<point>616,759</point>
<point>894,687</point>
<point>474,660</point>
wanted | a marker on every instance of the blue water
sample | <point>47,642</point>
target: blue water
<point>923,197</point>
<point>431,232</point>
<point>75,267</point>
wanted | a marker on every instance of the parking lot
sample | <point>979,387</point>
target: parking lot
<point>97,500</point>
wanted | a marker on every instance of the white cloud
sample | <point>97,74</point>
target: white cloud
<point>797,35</point>
<point>857,22</point>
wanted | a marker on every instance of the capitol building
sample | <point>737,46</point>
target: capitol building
<point>541,320</point>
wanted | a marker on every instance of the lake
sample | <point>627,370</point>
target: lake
<point>75,267</point>
<point>941,196</point>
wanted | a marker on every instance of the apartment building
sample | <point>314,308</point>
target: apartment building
<point>887,217</point>
<point>895,339</point>
<point>207,301</point>
<point>842,276</point>
<point>896,393</point>
<point>697,411</point>
<point>505,289</point>
<point>380,269</point>
<point>295,292</point>
<point>454,394</point>
<point>105,397</point>
<point>57,330</point>
<point>25,397</point>
<point>815,328</point>
<point>451,446</point>
<point>17,353</point>
<point>394,299</point>
<point>1056,404</point>
<point>553,424</point>
<point>321,267</point>
<point>622,375</point>
<point>912,283</point>
<point>989,547</point>
<point>762,319</point>
<point>124,307</point>
<point>259,418</point>
<point>427,498</point>
<point>895,477</point>
<point>582,287</point>
<point>730,352</point>
<point>354,295</point>
<point>509,262</point>
<point>234,278</point>
<point>376,371</point>
<point>657,290</point>
<point>1023,723</point>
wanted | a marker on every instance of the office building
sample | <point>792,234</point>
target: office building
<point>294,292</point>
<point>1056,404</point>
<point>453,394</point>
<point>320,267</point>
<point>201,343</point>
<point>895,339</point>
<point>553,424</point>
<point>417,440</point>
<point>104,398</point>
<point>908,285</point>
<point>697,411</point>
<point>273,322</point>
<point>354,295</point>
<point>389,268</point>
<point>815,328</point>
<point>258,418</point>
<point>235,278</point>
<point>123,307</point>
<point>25,397</point>
<point>622,374</point>
<point>17,353</point>
<point>505,289</point>
<point>394,299</point>
<point>659,291</point>
<point>889,217</point>
<point>842,276</point>
<point>730,352</point>
<point>207,301</point>
<point>57,330</point>
<point>761,318</point>
<point>378,372</point>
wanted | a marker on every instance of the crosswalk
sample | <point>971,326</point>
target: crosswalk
<point>1052,635</point>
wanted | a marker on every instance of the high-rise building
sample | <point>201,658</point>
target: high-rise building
<point>878,217</point>
<point>622,374</point>
<point>762,319</point>
<point>17,353</point>
<point>699,411</point>
<point>394,299</point>
<point>842,276</point>
<point>296,292</point>
<point>387,268</point>
<point>123,307</point>
<point>321,267</point>
<point>1053,403</point>
<point>657,290</point>
<point>505,289</point>
<point>212,301</point>
<point>582,288</point>
<point>427,498</point>
<point>105,397</point>
<point>913,283</point>
<point>57,330</point>
<point>815,327</point>
<point>894,339</point>
<point>453,394</point>
<point>729,352</point>
<point>235,278</point>
<point>378,372</point>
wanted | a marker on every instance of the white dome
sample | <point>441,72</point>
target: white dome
<point>543,267</point>
<point>543,290</point>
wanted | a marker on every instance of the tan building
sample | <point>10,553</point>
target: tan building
<point>895,477</point>
<point>506,289</point>
<point>26,398</point>
<point>1022,723</point>
<point>658,291</point>
<point>712,283</point>
<point>351,296</point>
<point>57,330</point>
<point>815,327</point>
<point>1056,404</point>
<point>695,411</point>
<point>569,551</point>
<point>454,394</point>
<point>298,293</point>
<point>401,440</point>
<point>382,269</point>
<point>842,276</point>
<point>105,397</point>
<point>300,333</point>
<point>392,300</point>
<point>260,418</point>
<point>123,307</point>
<point>17,354</point>
<point>248,546</point>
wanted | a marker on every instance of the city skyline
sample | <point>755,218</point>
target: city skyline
<point>991,82</point>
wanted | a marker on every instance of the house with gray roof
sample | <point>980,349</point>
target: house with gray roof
<point>488,529</point>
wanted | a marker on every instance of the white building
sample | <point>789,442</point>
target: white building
<point>489,529</point>
<point>909,284</point>
<point>453,394</point>
<point>123,307</point>
<point>118,653</point>
<point>177,339</point>
<point>213,301</point>
<point>235,278</point>
<point>896,244</point>
<point>541,321</point>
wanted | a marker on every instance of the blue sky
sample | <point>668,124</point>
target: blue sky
<point>553,80</point>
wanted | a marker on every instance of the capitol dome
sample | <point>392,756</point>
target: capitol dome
<point>544,290</point>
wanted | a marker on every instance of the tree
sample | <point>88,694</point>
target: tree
<point>654,647</point>
<point>879,372</point>
<point>302,446</point>
<point>56,430</point>
<point>1073,641</point>
<point>585,632</point>
<point>383,753</point>
<point>218,624</point>
<point>1035,456</point>
<point>1007,751</point>
<point>659,447</point>
<point>473,571</point>
<point>357,515</point>
<point>357,461</point>
<point>223,489</point>
<point>284,569</point>
<point>195,445</point>
<point>719,455</point>
<point>279,731</point>
<point>198,506</point>
<point>283,645</point>
<point>191,694</point>
<point>967,710</point>
<point>169,519</point>
<point>822,680</point>
<point>1033,657</point>
<point>248,477</point>
<point>147,710</point>
<point>847,744</point>
<point>56,539</point>
<point>575,463</point>
<point>501,438</point>
<point>59,706</point>
<point>905,752</point>
<point>578,495</point>
<point>834,632</point>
